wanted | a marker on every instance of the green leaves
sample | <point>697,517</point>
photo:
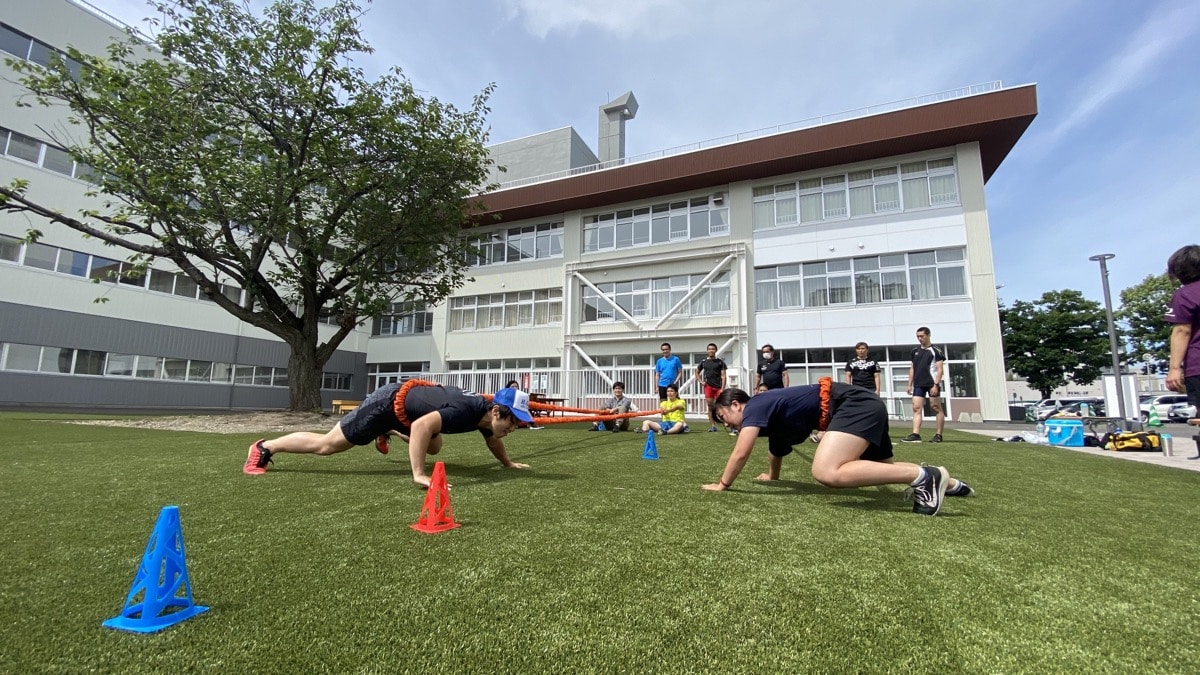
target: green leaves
<point>249,148</point>
<point>1057,339</point>
<point>1143,307</point>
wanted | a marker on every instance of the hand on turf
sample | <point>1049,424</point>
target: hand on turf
<point>518,465</point>
<point>713,487</point>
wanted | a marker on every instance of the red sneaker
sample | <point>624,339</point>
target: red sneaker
<point>381,444</point>
<point>257,459</point>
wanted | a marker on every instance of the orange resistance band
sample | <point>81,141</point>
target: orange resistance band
<point>826,386</point>
<point>398,401</point>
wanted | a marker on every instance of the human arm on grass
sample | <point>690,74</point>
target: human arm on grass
<point>420,438</point>
<point>737,460</point>
<point>497,447</point>
<point>1181,334</point>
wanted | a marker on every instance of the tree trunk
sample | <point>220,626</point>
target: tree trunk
<point>304,378</point>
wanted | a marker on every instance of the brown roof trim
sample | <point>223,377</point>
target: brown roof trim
<point>995,119</point>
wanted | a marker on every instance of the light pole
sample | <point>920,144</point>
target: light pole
<point>1103,259</point>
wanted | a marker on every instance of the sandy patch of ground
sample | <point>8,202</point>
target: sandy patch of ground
<point>234,423</point>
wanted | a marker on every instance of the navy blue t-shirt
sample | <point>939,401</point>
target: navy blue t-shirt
<point>786,416</point>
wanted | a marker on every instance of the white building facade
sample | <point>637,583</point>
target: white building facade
<point>810,238</point>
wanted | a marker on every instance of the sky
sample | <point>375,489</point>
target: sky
<point>1110,165</point>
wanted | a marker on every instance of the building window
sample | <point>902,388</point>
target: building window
<point>672,222</point>
<point>404,318</point>
<point>896,277</point>
<point>861,193</point>
<point>648,298</point>
<point>517,244</point>
<point>519,309</point>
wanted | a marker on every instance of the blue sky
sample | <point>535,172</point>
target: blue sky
<point>1109,166</point>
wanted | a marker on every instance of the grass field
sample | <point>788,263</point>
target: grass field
<point>595,560</point>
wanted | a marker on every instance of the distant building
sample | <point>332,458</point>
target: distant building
<point>811,237</point>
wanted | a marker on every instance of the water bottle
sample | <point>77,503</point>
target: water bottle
<point>1084,410</point>
<point>1041,429</point>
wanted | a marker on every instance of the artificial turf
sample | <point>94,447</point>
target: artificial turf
<point>594,560</point>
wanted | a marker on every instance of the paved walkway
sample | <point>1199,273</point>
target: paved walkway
<point>1181,434</point>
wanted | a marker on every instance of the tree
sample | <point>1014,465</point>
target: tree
<point>1059,338</point>
<point>1143,307</point>
<point>248,149</point>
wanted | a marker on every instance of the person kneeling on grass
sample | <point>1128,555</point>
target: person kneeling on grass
<point>853,447</point>
<point>673,410</point>
<point>420,412</point>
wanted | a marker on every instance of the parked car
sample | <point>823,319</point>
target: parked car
<point>1181,412</point>
<point>1050,406</point>
<point>1162,405</point>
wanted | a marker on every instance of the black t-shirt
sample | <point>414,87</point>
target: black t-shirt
<point>460,412</point>
<point>710,371</point>
<point>925,365</point>
<point>862,372</point>
<point>772,372</point>
<point>785,416</point>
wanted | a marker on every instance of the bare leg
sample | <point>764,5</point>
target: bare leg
<point>918,408</point>
<point>306,442</point>
<point>940,413</point>
<point>836,464</point>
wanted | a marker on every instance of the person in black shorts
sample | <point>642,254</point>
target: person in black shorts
<point>421,412</point>
<point>925,383</point>
<point>853,447</point>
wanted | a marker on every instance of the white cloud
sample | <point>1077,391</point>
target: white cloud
<point>622,17</point>
<point>1153,42</point>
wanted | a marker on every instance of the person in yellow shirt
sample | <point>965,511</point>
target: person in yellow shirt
<point>673,410</point>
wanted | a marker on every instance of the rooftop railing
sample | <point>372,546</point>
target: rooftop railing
<point>913,102</point>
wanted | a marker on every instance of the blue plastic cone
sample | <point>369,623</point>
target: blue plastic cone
<point>651,451</point>
<point>601,427</point>
<point>161,595</point>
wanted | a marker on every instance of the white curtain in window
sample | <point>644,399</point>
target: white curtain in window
<point>952,281</point>
<point>785,211</point>
<point>943,189</point>
<point>862,201</point>
<point>916,193</point>
<point>815,292</point>
<point>810,208</point>
<point>766,295</point>
<point>887,197</point>
<point>790,293</point>
<point>923,283</point>
<point>866,288</point>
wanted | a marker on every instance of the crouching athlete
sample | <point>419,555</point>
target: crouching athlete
<point>419,412</point>
<point>853,446</point>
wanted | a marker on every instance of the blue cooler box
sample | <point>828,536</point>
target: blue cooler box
<point>1065,432</point>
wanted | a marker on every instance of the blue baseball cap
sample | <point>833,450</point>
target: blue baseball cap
<point>517,401</point>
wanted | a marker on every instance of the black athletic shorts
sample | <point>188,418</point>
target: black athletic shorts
<point>861,413</point>
<point>374,418</point>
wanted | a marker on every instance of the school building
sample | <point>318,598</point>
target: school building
<point>811,236</point>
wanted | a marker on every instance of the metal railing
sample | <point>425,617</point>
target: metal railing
<point>891,106</point>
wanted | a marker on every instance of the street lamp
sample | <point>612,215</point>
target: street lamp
<point>1103,259</point>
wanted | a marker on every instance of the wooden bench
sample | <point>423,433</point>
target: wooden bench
<point>342,406</point>
<point>542,398</point>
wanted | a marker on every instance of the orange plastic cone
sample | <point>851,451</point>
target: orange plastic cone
<point>436,515</point>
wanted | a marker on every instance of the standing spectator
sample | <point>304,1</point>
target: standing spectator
<point>711,373</point>
<point>669,370</point>
<point>618,405</point>
<point>1184,312</point>
<point>862,371</point>
<point>924,383</point>
<point>771,371</point>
